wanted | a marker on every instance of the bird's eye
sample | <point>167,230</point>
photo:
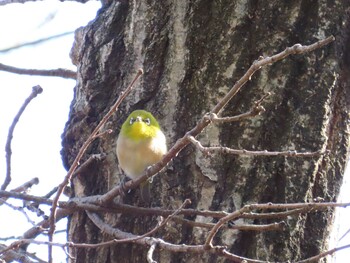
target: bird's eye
<point>147,121</point>
<point>132,120</point>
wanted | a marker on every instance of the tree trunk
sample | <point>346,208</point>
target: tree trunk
<point>192,52</point>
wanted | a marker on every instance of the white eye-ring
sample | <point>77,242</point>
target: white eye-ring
<point>132,120</point>
<point>147,121</point>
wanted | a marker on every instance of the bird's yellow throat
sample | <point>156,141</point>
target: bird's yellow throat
<point>140,125</point>
<point>140,130</point>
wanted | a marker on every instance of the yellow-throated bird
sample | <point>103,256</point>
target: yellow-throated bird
<point>140,144</point>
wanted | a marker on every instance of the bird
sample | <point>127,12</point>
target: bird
<point>140,144</point>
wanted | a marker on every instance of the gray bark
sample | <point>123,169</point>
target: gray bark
<point>192,52</point>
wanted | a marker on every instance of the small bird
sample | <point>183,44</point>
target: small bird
<point>140,144</point>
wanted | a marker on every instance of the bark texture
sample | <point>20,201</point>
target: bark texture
<point>192,52</point>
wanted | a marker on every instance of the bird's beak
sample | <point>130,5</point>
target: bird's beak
<point>139,119</point>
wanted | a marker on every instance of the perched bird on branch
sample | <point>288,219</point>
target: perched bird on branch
<point>140,144</point>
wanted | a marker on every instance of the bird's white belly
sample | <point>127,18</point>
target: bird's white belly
<point>135,156</point>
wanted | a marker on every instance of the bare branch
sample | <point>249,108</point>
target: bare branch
<point>248,208</point>
<point>166,245</point>
<point>322,255</point>
<point>63,73</point>
<point>35,91</point>
<point>24,187</point>
<point>204,122</point>
<point>149,233</point>
<point>257,109</point>
<point>20,209</point>
<point>242,227</point>
<point>273,215</point>
<point>221,149</point>
<point>9,238</point>
<point>35,42</point>
<point>146,240</point>
<point>26,197</point>
<point>80,154</point>
<point>295,49</point>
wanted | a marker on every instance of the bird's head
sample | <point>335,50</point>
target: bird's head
<point>139,125</point>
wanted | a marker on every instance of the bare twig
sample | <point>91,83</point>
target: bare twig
<point>146,240</point>
<point>20,209</point>
<point>274,215</point>
<point>60,72</point>
<point>248,208</point>
<point>322,255</point>
<point>35,91</point>
<point>344,235</point>
<point>242,227</point>
<point>43,225</point>
<point>35,42</point>
<point>51,192</point>
<point>263,61</point>
<point>89,203</point>
<point>26,197</point>
<point>221,149</point>
<point>257,109</point>
<point>9,238</point>
<point>149,233</point>
<point>84,166</point>
<point>166,245</point>
<point>204,122</point>
<point>22,188</point>
<point>80,154</point>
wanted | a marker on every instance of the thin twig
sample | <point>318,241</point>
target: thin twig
<point>222,149</point>
<point>50,193</point>
<point>223,221</point>
<point>149,233</point>
<point>177,248</point>
<point>248,208</point>
<point>89,203</point>
<point>274,215</point>
<point>80,154</point>
<point>35,42</point>
<point>8,238</point>
<point>263,61</point>
<point>166,245</point>
<point>22,188</point>
<point>242,227</point>
<point>323,254</point>
<point>257,109</point>
<point>35,91</point>
<point>344,235</point>
<point>20,209</point>
<point>25,197</point>
<point>84,166</point>
<point>60,72</point>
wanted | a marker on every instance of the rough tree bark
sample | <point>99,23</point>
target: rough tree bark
<point>192,52</point>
